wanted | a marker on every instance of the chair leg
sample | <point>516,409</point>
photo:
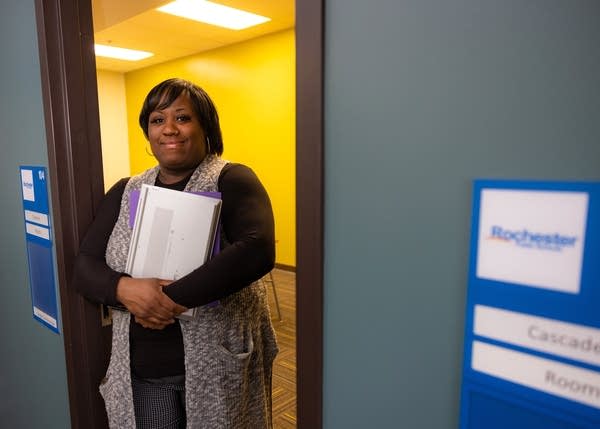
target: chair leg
<point>268,278</point>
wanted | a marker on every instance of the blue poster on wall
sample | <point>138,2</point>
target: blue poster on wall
<point>532,330</point>
<point>38,236</point>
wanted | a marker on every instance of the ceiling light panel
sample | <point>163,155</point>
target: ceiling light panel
<point>213,13</point>
<point>120,53</point>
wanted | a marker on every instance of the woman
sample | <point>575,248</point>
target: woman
<point>213,371</point>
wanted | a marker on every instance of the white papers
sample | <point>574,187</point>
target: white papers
<point>173,234</point>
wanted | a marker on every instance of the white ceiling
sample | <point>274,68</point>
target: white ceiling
<point>135,24</point>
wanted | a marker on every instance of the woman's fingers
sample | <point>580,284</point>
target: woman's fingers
<point>146,299</point>
<point>153,323</point>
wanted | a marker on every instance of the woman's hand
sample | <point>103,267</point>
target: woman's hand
<point>145,299</point>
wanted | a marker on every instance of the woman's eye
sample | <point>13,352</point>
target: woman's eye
<point>183,118</point>
<point>156,121</point>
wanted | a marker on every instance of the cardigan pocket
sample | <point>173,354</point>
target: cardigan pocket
<point>232,381</point>
<point>236,343</point>
<point>232,359</point>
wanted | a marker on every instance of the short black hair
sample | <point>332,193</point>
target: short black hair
<point>166,92</point>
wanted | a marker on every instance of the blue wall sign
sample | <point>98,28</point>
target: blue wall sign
<point>38,235</point>
<point>532,331</point>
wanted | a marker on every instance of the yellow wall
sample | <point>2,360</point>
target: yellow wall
<point>113,126</point>
<point>253,87</point>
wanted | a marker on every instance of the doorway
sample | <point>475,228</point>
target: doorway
<point>252,83</point>
<point>71,112</point>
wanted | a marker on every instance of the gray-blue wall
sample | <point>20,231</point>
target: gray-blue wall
<point>32,360</point>
<point>422,97</point>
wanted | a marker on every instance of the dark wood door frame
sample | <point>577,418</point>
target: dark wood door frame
<point>68,77</point>
<point>309,211</point>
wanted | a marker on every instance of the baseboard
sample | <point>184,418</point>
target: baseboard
<point>286,267</point>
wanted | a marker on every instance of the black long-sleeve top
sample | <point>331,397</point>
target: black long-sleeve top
<point>247,221</point>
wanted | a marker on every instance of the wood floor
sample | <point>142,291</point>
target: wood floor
<point>284,370</point>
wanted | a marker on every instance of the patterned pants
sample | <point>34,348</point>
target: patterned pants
<point>159,402</point>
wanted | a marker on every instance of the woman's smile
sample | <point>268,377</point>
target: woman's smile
<point>172,144</point>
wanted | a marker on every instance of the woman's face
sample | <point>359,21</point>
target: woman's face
<point>176,137</point>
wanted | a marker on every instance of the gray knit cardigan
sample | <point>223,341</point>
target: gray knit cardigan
<point>229,349</point>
